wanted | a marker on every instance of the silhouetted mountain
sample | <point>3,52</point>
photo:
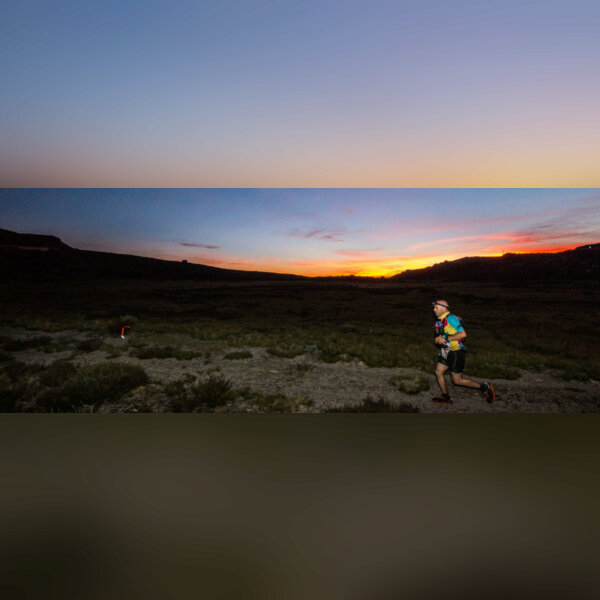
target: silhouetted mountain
<point>30,240</point>
<point>32,257</point>
<point>29,257</point>
<point>580,263</point>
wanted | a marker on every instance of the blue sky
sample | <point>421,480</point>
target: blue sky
<point>309,231</point>
<point>300,94</point>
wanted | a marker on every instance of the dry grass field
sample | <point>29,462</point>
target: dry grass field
<point>291,346</point>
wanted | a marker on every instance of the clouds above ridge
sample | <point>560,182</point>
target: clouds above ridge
<point>198,245</point>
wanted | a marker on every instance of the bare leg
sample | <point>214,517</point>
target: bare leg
<point>458,379</point>
<point>440,370</point>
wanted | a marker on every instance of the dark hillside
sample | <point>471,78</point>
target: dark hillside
<point>28,257</point>
<point>581,263</point>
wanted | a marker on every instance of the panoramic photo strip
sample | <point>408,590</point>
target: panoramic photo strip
<point>299,300</point>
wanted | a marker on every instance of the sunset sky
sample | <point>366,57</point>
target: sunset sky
<point>309,231</point>
<point>317,93</point>
<point>312,137</point>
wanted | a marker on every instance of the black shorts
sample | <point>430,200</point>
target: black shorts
<point>455,361</point>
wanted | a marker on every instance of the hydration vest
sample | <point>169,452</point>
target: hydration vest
<point>438,329</point>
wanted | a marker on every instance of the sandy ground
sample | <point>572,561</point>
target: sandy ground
<point>330,385</point>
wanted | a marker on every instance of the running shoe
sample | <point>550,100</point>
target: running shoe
<point>442,399</point>
<point>489,394</point>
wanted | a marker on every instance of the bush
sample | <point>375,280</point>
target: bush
<point>203,397</point>
<point>104,382</point>
<point>330,355</point>
<point>215,391</point>
<point>57,373</point>
<point>178,395</point>
<point>18,371</point>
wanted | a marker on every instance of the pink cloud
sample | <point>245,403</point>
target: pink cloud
<point>465,239</point>
<point>403,229</point>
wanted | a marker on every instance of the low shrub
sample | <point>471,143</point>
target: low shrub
<point>330,355</point>
<point>103,382</point>
<point>205,396</point>
<point>369,405</point>
<point>18,371</point>
<point>57,373</point>
<point>214,391</point>
<point>178,394</point>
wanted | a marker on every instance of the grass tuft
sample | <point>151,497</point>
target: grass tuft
<point>214,391</point>
<point>286,349</point>
<point>206,396</point>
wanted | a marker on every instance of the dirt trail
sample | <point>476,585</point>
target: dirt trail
<point>330,385</point>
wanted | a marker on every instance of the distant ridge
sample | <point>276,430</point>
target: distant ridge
<point>31,241</point>
<point>31,257</point>
<point>581,263</point>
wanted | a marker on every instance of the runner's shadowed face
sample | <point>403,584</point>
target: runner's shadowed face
<point>439,308</point>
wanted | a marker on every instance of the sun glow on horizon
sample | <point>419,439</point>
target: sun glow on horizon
<point>376,269</point>
<point>309,232</point>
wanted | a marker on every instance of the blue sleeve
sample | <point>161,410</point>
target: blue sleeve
<point>454,322</point>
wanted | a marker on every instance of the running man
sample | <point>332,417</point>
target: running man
<point>449,339</point>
